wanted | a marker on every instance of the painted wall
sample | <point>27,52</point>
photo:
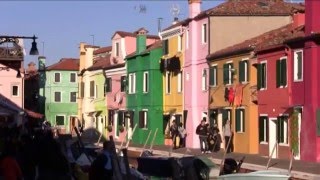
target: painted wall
<point>150,101</point>
<point>65,107</point>
<point>233,26</point>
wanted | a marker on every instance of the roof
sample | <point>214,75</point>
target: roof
<point>65,64</point>
<point>102,50</point>
<point>157,44</point>
<point>266,40</point>
<point>134,34</point>
<point>254,8</point>
<point>100,63</point>
<point>179,23</point>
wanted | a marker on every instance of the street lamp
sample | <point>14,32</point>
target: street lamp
<point>33,50</point>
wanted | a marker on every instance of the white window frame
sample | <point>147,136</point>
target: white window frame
<point>18,89</point>
<point>146,82</point>
<point>295,66</point>
<point>54,77</point>
<point>75,77</point>
<point>229,63</point>
<point>204,33</point>
<point>285,130</point>
<point>71,97</point>
<point>168,83</point>
<point>265,128</point>
<point>179,78</point>
<point>64,120</point>
<point>54,96</point>
<point>145,118</point>
<point>215,66</point>
<point>284,58</point>
<point>266,75</point>
<point>246,69</point>
<point>132,83</point>
<point>204,79</point>
<point>179,43</point>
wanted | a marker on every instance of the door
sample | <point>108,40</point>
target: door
<point>273,137</point>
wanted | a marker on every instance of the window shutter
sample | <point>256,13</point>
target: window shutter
<point>120,118</point>
<point>241,71</point>
<point>165,47</point>
<point>261,128</point>
<point>284,72</point>
<point>211,76</point>
<point>278,73</point>
<point>267,129</point>
<point>91,88</point>
<point>232,72</point>
<point>141,121</point>
<point>238,118</point>
<point>246,64</point>
<point>225,74</point>
<point>243,120</point>
<point>131,113</point>
<point>224,116</point>
<point>299,59</point>
<point>82,89</point>
<point>278,129</point>
<point>259,76</point>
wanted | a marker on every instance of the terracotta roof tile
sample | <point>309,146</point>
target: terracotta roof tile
<point>179,23</point>
<point>157,44</point>
<point>100,63</point>
<point>269,39</point>
<point>102,50</point>
<point>134,34</point>
<point>254,8</point>
<point>65,64</point>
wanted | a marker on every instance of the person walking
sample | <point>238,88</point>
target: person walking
<point>182,134</point>
<point>202,131</point>
<point>174,132</point>
<point>227,132</point>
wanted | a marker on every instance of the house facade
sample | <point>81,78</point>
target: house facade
<point>144,98</point>
<point>60,92</point>
<point>171,67</point>
<point>195,71</point>
<point>123,43</point>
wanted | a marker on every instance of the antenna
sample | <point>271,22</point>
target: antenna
<point>175,10</point>
<point>159,24</point>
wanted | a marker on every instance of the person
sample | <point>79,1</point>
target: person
<point>227,132</point>
<point>217,140</point>
<point>102,166</point>
<point>174,133</point>
<point>182,134</point>
<point>9,166</point>
<point>202,131</point>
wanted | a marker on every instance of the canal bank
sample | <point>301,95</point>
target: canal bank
<point>300,169</point>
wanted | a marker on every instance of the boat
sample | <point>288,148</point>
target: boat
<point>257,175</point>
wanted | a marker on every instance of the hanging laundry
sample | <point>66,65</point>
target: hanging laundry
<point>226,94</point>
<point>238,95</point>
<point>231,95</point>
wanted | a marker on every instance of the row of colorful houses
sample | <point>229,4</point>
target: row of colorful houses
<point>242,61</point>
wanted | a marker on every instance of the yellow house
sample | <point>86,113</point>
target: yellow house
<point>232,95</point>
<point>171,67</point>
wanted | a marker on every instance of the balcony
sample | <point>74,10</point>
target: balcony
<point>254,94</point>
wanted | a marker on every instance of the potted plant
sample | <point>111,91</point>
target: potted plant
<point>121,129</point>
<point>109,128</point>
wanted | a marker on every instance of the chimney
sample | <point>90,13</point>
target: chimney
<point>312,16</point>
<point>175,20</point>
<point>41,63</point>
<point>298,19</point>
<point>141,40</point>
<point>194,8</point>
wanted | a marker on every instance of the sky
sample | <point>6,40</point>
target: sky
<point>61,25</point>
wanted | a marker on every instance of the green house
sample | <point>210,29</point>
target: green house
<point>144,90</point>
<point>58,92</point>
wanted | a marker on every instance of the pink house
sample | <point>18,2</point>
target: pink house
<point>195,71</point>
<point>123,43</point>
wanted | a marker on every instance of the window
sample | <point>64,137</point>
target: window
<point>282,129</point>
<point>145,82</point>
<point>240,120</point>
<point>228,73</point>
<point>243,71</point>
<point>179,43</point>
<point>123,83</point>
<point>226,115</point>
<point>15,90</point>
<point>213,76</point>
<point>204,33</point>
<point>168,90</point>
<point>143,119</point>
<point>96,91</point>
<point>281,72</point>
<point>298,65</point>
<point>57,96</point>
<point>165,47</point>
<point>108,85</point>
<point>262,76</point>
<point>73,77</point>
<point>56,77</point>
<point>263,129</point>
<point>204,80</point>
<point>92,89</point>
<point>59,120</point>
<point>179,82</point>
<point>187,39</point>
<point>82,89</point>
<point>73,97</point>
<point>132,83</point>
<point>121,120</point>
<point>117,49</point>
<point>110,117</point>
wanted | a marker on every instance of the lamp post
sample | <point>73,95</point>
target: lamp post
<point>15,39</point>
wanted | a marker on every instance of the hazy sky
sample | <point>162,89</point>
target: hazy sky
<point>62,25</point>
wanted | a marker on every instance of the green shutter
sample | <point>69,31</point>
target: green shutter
<point>238,119</point>
<point>216,75</point>
<point>284,72</point>
<point>267,128</point>
<point>246,64</point>
<point>241,71</point>
<point>259,76</point>
<point>243,120</point>
<point>261,128</point>
<point>224,116</point>
<point>211,76</point>
<point>232,72</point>
<point>225,74</point>
<point>278,73</point>
<point>299,73</point>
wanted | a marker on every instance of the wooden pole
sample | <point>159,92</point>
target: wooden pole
<point>129,139</point>
<point>81,144</point>
<point>121,145</point>
<point>273,149</point>
<point>154,137</point>
<point>126,163</point>
<point>224,155</point>
<point>145,144</point>
<point>116,165</point>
